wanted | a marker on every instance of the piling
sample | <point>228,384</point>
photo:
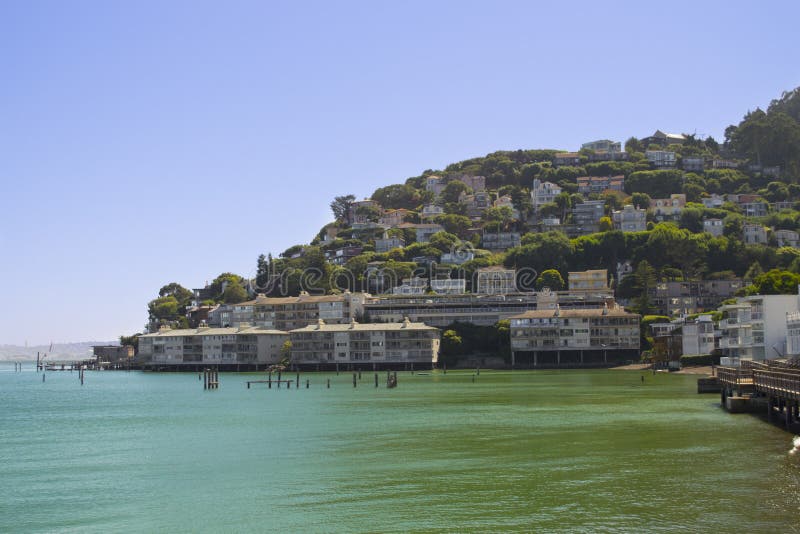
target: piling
<point>359,374</point>
<point>376,379</point>
<point>298,380</point>
<point>307,383</point>
<point>288,384</point>
<point>329,383</point>
<point>43,375</point>
<point>354,380</point>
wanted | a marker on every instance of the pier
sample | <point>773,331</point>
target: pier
<point>773,387</point>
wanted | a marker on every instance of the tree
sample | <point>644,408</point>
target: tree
<point>645,278</point>
<point>234,294</point>
<point>640,200</point>
<point>451,346</point>
<point>453,190</point>
<point>131,341</point>
<point>455,224</point>
<point>550,278</point>
<point>369,212</point>
<point>444,241</point>
<point>286,353</point>
<point>174,289</point>
<point>605,224</point>
<point>633,145</point>
<point>398,196</point>
<point>341,208</point>
<point>262,271</point>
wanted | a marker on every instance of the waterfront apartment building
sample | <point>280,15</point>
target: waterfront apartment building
<point>483,310</point>
<point>755,327</point>
<point>373,345</point>
<point>576,337</point>
<point>190,348</point>
<point>288,313</point>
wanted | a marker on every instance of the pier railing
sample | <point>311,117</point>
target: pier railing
<point>783,383</point>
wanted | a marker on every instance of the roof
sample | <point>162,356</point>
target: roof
<point>363,327</point>
<point>263,301</point>
<point>570,313</point>
<point>206,331</point>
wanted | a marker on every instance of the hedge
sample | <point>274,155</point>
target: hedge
<point>692,360</point>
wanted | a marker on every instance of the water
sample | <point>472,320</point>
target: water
<point>584,451</point>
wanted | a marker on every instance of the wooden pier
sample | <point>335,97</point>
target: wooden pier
<point>774,386</point>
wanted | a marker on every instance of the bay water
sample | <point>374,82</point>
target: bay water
<point>543,451</point>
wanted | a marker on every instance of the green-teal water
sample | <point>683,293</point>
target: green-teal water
<point>526,451</point>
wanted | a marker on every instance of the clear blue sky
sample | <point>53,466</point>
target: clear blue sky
<point>148,142</point>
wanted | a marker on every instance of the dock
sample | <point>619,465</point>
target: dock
<point>770,386</point>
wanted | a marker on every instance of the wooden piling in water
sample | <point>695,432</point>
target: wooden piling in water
<point>307,383</point>
<point>354,380</point>
<point>298,381</point>
<point>329,383</point>
<point>376,379</point>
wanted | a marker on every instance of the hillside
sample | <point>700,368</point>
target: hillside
<point>664,207</point>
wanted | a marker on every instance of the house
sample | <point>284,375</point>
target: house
<point>598,184</point>
<point>476,183</point>
<point>386,243</point>
<point>496,281</point>
<point>449,286</point>
<point>661,158</point>
<point>756,208</point>
<point>356,214</point>
<point>603,145</point>
<point>424,231</point>
<point>476,204</point>
<point>429,211</point>
<point>602,155</point>
<point>630,219</point>
<point>394,218</point>
<point>586,215</point>
<point>679,298</point>
<point>113,353</point>
<point>340,256</point>
<point>715,227</point>
<point>725,164</point>
<point>435,185</point>
<point>574,337</point>
<point>500,240</point>
<point>665,209</point>
<point>693,164</point>
<point>457,257</point>
<point>411,286</point>
<point>786,238</point>
<point>543,193</point>
<point>591,281</point>
<point>698,335</point>
<point>567,158</point>
<point>624,268</point>
<point>505,201</point>
<point>713,201</point>
<point>663,139</point>
<point>781,205</point>
<point>754,234</point>
<point>373,345</point>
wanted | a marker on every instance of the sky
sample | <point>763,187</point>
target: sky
<point>148,142</point>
